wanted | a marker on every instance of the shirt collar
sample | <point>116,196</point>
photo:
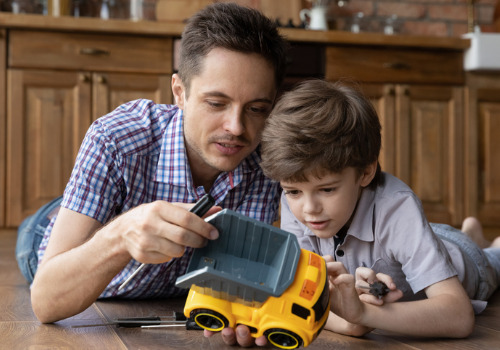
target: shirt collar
<point>362,223</point>
<point>172,162</point>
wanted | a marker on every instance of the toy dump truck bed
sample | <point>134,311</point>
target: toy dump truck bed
<point>250,260</point>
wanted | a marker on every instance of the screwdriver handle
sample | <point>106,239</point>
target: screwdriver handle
<point>137,321</point>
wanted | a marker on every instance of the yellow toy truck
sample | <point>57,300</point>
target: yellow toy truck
<point>256,275</point>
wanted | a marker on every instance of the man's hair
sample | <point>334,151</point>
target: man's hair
<point>320,127</point>
<point>232,27</point>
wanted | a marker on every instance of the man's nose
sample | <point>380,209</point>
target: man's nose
<point>234,122</point>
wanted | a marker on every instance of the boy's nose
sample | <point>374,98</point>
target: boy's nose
<point>311,206</point>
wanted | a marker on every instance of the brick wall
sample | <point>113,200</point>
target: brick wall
<point>418,17</point>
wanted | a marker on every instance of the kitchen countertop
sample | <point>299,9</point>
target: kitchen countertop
<point>333,37</point>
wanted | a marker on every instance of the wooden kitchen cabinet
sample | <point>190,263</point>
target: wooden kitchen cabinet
<point>420,105</point>
<point>3,123</point>
<point>58,84</point>
<point>482,150</point>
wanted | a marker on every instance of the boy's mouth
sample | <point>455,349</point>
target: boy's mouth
<point>317,225</point>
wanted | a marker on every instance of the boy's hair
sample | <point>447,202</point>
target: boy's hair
<point>320,127</point>
<point>232,27</point>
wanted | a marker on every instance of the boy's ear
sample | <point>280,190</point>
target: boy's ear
<point>368,174</point>
<point>178,91</point>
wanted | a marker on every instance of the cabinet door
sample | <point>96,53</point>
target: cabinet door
<point>48,114</point>
<point>113,89</point>
<point>483,150</point>
<point>429,148</point>
<point>3,53</point>
<point>383,99</point>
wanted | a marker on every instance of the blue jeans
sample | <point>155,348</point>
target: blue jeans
<point>29,235</point>
<point>487,261</point>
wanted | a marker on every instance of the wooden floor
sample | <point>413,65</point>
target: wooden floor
<point>19,329</point>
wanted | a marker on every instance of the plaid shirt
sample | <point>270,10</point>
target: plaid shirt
<point>136,155</point>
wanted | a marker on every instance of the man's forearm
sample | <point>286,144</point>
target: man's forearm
<point>68,283</point>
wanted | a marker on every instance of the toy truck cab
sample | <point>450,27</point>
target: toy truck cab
<point>256,275</point>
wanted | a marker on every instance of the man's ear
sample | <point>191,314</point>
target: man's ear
<point>178,90</point>
<point>368,174</point>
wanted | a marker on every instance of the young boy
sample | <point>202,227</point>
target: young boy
<point>322,143</point>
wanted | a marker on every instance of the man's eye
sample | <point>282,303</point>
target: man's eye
<point>259,110</point>
<point>215,104</point>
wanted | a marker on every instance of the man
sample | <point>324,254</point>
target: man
<point>121,206</point>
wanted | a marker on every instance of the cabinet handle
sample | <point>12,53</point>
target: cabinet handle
<point>93,51</point>
<point>101,79</point>
<point>85,78</point>
<point>397,65</point>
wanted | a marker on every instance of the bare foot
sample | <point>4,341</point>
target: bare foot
<point>472,228</point>
<point>496,243</point>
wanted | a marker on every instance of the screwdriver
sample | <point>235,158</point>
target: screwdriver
<point>177,320</point>
<point>200,208</point>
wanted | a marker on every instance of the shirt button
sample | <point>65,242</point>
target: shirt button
<point>340,252</point>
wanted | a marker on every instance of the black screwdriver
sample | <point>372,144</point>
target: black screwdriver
<point>177,320</point>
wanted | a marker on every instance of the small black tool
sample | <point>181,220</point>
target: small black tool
<point>377,288</point>
<point>176,320</point>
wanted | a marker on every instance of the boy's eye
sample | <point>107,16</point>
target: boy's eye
<point>329,189</point>
<point>291,192</point>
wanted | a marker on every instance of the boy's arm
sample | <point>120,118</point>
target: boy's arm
<point>446,313</point>
<point>339,325</point>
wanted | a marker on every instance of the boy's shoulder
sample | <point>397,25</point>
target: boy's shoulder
<point>390,184</point>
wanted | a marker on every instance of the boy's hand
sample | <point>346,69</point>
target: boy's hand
<point>344,298</point>
<point>366,277</point>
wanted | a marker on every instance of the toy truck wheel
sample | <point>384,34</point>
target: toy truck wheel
<point>283,339</point>
<point>209,319</point>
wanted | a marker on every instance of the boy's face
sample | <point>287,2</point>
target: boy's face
<point>226,109</point>
<point>326,204</point>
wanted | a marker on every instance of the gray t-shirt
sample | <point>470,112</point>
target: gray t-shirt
<point>389,233</point>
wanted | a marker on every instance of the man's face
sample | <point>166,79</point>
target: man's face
<point>325,204</point>
<point>225,111</point>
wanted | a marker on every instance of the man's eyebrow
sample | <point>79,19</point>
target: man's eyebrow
<point>220,94</point>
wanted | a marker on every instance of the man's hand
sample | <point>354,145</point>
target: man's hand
<point>240,335</point>
<point>157,232</point>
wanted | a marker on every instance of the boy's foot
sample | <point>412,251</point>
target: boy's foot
<point>472,228</point>
<point>496,243</point>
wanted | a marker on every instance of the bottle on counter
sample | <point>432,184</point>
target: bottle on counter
<point>58,8</point>
<point>136,10</point>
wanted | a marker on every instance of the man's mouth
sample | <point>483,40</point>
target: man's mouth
<point>228,148</point>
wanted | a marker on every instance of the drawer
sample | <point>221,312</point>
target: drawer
<point>394,65</point>
<point>96,52</point>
